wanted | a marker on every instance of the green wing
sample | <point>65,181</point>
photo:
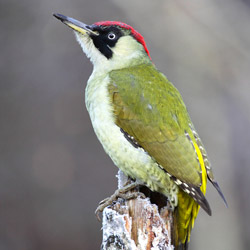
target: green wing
<point>150,109</point>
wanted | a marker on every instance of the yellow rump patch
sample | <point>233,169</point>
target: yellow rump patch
<point>203,168</point>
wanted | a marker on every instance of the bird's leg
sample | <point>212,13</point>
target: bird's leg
<point>119,193</point>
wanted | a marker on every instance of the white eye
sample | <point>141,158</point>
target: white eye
<point>111,36</point>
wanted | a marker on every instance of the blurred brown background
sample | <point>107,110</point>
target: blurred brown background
<point>53,170</point>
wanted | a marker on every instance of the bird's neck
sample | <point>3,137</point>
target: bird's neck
<point>116,62</point>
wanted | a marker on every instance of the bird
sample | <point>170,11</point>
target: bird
<point>140,119</point>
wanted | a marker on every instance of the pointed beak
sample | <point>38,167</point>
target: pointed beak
<point>75,25</point>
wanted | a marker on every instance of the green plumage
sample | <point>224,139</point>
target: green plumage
<point>149,108</point>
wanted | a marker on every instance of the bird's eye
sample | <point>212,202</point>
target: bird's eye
<point>111,36</point>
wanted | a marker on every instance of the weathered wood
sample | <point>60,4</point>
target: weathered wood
<point>137,224</point>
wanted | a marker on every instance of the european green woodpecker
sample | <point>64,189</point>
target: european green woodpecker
<point>142,122</point>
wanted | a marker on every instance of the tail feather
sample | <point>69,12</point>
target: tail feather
<point>216,185</point>
<point>201,200</point>
<point>183,221</point>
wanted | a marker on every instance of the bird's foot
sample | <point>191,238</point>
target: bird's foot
<point>119,193</point>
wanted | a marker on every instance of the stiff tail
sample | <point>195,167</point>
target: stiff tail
<point>183,221</point>
<point>187,210</point>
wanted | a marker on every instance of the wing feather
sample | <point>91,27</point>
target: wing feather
<point>150,109</point>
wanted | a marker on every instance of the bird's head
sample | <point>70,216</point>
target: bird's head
<point>109,44</point>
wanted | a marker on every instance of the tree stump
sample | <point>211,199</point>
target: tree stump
<point>137,224</point>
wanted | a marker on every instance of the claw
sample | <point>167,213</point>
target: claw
<point>119,193</point>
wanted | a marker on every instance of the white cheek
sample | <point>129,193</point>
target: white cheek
<point>89,48</point>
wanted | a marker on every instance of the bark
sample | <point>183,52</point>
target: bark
<point>137,224</point>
